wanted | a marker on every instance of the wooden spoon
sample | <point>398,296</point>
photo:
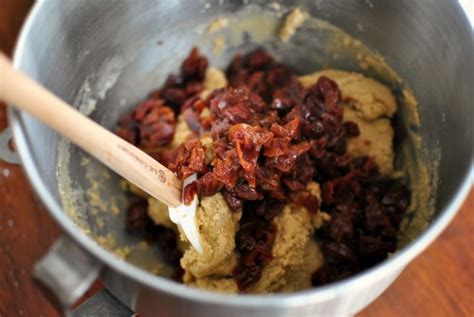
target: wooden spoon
<point>133,164</point>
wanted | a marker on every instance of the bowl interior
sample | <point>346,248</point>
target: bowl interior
<point>104,57</point>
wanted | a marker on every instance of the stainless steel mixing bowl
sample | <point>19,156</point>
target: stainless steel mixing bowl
<point>67,43</point>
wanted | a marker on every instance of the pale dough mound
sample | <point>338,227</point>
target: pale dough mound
<point>375,139</point>
<point>208,144</point>
<point>296,255</point>
<point>369,98</point>
<point>217,284</point>
<point>299,276</point>
<point>213,79</point>
<point>221,279</point>
<point>181,134</point>
<point>294,230</point>
<point>217,227</point>
<point>369,104</point>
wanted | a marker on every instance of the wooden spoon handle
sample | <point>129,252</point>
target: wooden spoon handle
<point>130,162</point>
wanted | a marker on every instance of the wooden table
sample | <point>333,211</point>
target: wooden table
<point>438,283</point>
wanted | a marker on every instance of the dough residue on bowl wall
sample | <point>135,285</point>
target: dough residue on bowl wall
<point>93,89</point>
<point>217,25</point>
<point>291,23</point>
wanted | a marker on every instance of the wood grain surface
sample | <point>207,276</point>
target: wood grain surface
<point>438,283</point>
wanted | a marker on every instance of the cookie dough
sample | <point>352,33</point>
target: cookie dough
<point>370,104</point>
<point>181,134</point>
<point>375,140</point>
<point>369,98</point>
<point>295,254</point>
<point>213,79</point>
<point>217,226</point>
<point>294,230</point>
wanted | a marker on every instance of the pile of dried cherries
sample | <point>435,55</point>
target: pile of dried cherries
<point>271,137</point>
